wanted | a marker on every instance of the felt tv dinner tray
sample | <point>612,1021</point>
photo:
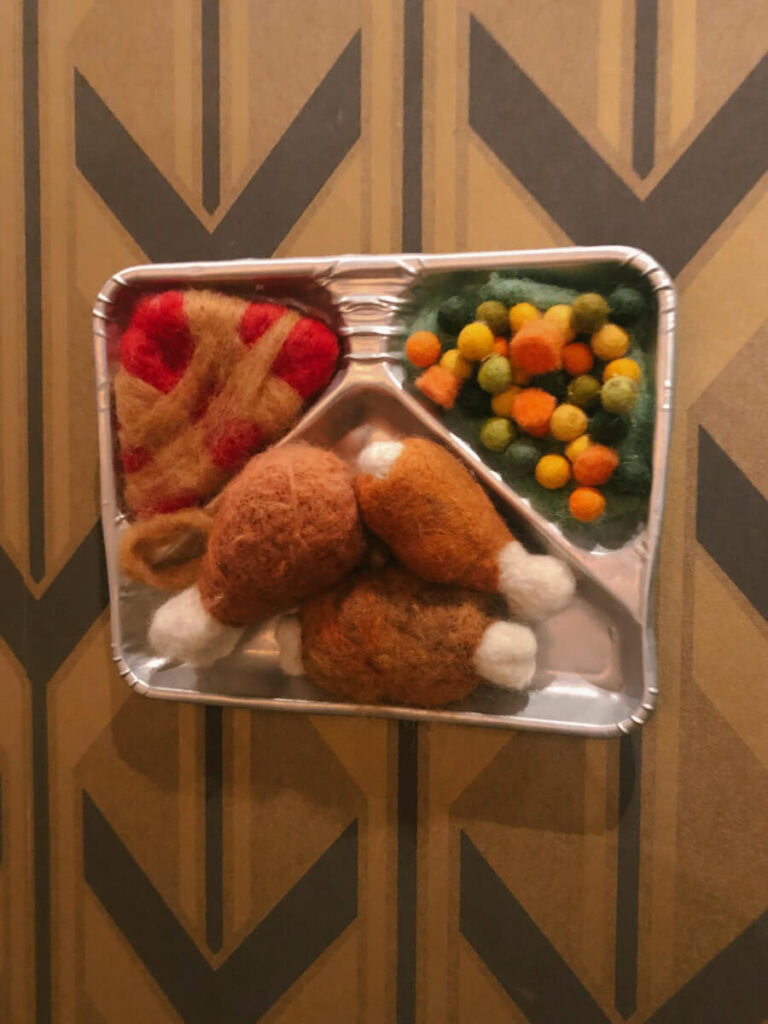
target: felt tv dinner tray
<point>596,671</point>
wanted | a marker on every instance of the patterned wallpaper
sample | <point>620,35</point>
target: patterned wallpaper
<point>175,863</point>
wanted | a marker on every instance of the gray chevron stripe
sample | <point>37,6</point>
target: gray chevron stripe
<point>33,285</point>
<point>731,989</point>
<point>515,950</point>
<point>306,921</point>
<point>584,195</point>
<point>644,120</point>
<point>211,82</point>
<point>732,522</point>
<point>150,209</point>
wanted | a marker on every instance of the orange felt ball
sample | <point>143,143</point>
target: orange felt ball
<point>500,346</point>
<point>595,465</point>
<point>537,347</point>
<point>423,348</point>
<point>440,385</point>
<point>578,359</point>
<point>586,504</point>
<point>532,410</point>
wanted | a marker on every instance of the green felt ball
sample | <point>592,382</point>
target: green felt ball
<point>496,433</point>
<point>520,457</point>
<point>619,395</point>
<point>473,400</point>
<point>555,382</point>
<point>454,314</point>
<point>589,312</point>
<point>495,375</point>
<point>607,428</point>
<point>584,391</point>
<point>494,314</point>
<point>627,305</point>
<point>632,476</point>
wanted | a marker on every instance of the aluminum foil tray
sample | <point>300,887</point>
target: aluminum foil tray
<point>596,672</point>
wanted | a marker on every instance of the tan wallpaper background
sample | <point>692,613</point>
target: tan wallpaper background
<point>169,863</point>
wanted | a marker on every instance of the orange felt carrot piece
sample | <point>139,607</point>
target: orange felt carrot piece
<point>439,385</point>
<point>537,347</point>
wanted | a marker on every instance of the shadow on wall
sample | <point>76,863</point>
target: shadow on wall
<point>539,782</point>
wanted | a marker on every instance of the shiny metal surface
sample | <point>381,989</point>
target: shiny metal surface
<point>597,670</point>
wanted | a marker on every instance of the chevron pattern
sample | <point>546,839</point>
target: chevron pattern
<point>179,863</point>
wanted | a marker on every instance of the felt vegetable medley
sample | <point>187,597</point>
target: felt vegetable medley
<point>552,387</point>
<point>243,532</point>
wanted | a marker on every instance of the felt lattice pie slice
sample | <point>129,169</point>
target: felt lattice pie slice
<point>205,381</point>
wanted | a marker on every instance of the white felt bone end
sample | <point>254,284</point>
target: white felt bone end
<point>536,586</point>
<point>288,637</point>
<point>182,629</point>
<point>377,458</point>
<point>506,655</point>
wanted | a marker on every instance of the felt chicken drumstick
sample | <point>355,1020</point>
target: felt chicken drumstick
<point>287,527</point>
<point>441,525</point>
<point>390,635</point>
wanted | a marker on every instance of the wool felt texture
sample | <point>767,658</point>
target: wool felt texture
<point>166,551</point>
<point>578,358</point>
<point>555,382</point>
<point>475,341</point>
<point>423,348</point>
<point>497,433</point>
<point>560,316</point>
<point>625,510</point>
<point>455,363</point>
<point>586,504</point>
<point>501,405</point>
<point>205,381</point>
<point>495,314</point>
<point>595,465</point>
<point>537,347</point>
<point>183,629</point>
<point>568,422</point>
<point>619,395</point>
<point>553,471</point>
<point>584,391</point>
<point>287,527</point>
<point>440,524</point>
<point>589,312</point>
<point>439,385</point>
<point>389,635</point>
<point>495,374</point>
<point>532,410</point>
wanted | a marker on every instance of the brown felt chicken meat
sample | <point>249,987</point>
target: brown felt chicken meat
<point>388,635</point>
<point>441,525</point>
<point>285,528</point>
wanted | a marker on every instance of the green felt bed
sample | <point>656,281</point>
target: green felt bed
<point>624,513</point>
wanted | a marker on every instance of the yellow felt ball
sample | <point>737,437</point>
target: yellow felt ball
<point>475,341</point>
<point>502,404</point>
<point>610,342</point>
<point>560,316</point>
<point>568,422</point>
<point>521,314</point>
<point>455,363</point>
<point>575,448</point>
<point>553,471</point>
<point>623,368</point>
